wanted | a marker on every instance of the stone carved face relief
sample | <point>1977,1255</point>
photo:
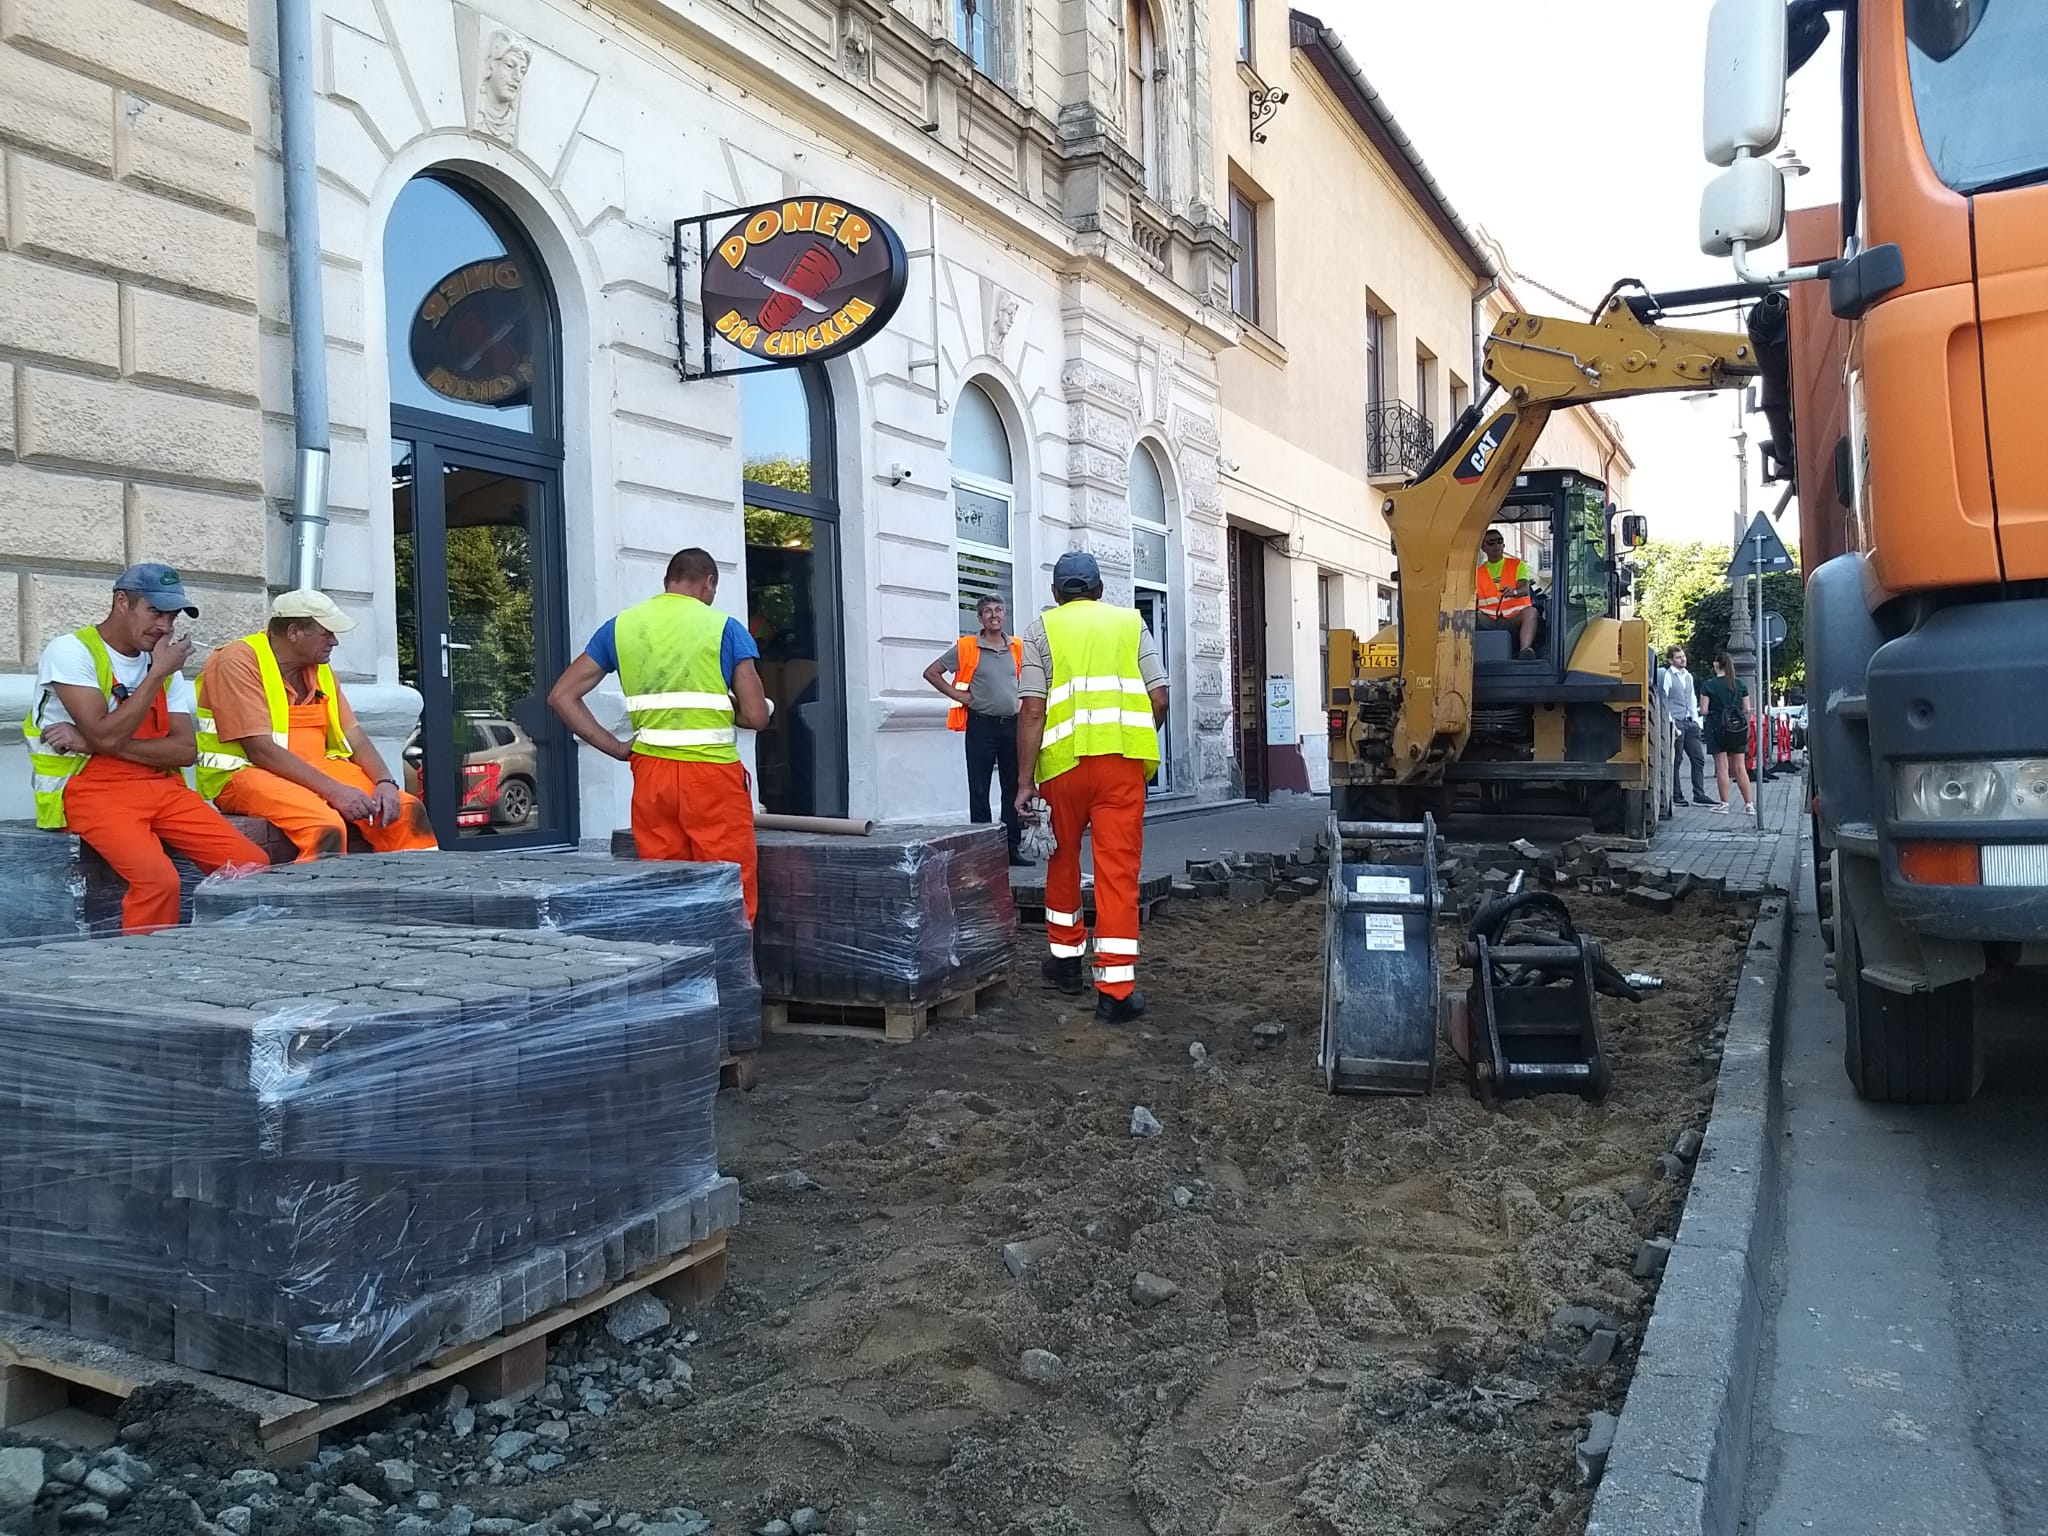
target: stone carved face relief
<point>506,62</point>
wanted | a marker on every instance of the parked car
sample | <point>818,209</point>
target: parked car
<point>499,784</point>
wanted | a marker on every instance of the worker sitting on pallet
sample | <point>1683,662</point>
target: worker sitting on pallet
<point>109,734</point>
<point>1504,595</point>
<point>277,739</point>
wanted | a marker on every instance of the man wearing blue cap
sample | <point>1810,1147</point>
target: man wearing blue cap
<point>1092,698</point>
<point>109,736</point>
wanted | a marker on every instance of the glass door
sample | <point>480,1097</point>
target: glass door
<point>793,615</point>
<point>476,537</point>
<point>1151,605</point>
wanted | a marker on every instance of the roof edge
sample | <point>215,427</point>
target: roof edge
<point>1341,72</point>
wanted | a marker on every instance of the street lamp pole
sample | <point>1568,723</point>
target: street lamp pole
<point>1741,631</point>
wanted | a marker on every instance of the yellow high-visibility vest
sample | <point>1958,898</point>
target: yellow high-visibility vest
<point>1096,704</point>
<point>221,760</point>
<point>676,694</point>
<point>49,772</point>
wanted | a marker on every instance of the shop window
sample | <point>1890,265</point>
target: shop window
<point>1151,570</point>
<point>473,344</point>
<point>984,505</point>
<point>787,446</point>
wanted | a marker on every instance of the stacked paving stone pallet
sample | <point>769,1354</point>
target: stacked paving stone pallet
<point>56,887</point>
<point>582,894</point>
<point>907,914</point>
<point>314,1155</point>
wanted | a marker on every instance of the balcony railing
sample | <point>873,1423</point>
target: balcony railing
<point>1398,438</point>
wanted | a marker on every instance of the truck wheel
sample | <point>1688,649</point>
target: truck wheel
<point>1918,1048</point>
<point>1638,820</point>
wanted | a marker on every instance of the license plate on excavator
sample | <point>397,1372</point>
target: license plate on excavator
<point>1382,658</point>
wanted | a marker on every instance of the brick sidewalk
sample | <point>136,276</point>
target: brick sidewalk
<point>1748,861</point>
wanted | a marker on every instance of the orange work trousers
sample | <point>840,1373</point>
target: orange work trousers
<point>1104,797</point>
<point>315,827</point>
<point>128,814</point>
<point>699,812</point>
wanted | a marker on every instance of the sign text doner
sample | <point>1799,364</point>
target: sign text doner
<point>802,279</point>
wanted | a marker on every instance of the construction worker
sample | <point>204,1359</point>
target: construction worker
<point>984,701</point>
<point>688,674</point>
<point>1504,595</point>
<point>278,740</point>
<point>1092,699</point>
<point>109,735</point>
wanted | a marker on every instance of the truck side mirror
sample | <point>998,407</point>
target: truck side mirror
<point>1744,204</point>
<point>1746,71</point>
<point>1635,530</point>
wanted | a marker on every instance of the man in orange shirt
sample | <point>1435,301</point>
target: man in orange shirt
<point>277,739</point>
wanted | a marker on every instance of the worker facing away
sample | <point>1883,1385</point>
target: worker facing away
<point>278,740</point>
<point>109,736</point>
<point>1504,594</point>
<point>1092,698</point>
<point>688,674</point>
<point>982,689</point>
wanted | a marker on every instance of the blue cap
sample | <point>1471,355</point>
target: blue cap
<point>157,585</point>
<point>1076,571</point>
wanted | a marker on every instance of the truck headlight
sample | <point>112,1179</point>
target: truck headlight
<point>1999,789</point>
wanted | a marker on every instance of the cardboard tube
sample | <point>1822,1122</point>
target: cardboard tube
<point>837,826</point>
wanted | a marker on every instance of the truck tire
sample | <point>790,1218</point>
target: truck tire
<point>1918,1048</point>
<point>1638,819</point>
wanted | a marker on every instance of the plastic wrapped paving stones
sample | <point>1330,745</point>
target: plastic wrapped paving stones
<point>57,887</point>
<point>313,1155</point>
<point>585,894</point>
<point>908,914</point>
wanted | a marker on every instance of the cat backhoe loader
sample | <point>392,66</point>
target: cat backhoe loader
<point>1432,710</point>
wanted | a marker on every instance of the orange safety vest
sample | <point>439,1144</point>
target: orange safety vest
<point>963,675</point>
<point>1498,598</point>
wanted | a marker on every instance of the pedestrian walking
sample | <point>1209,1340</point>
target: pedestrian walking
<point>278,741</point>
<point>1724,703</point>
<point>111,731</point>
<point>1093,696</point>
<point>984,700</point>
<point>1682,709</point>
<point>688,672</point>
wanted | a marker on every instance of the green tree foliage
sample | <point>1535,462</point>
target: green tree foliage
<point>1670,579</point>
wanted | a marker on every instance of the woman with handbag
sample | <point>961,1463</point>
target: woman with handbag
<point>1724,707</point>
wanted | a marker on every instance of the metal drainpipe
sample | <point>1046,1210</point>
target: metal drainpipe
<point>307,296</point>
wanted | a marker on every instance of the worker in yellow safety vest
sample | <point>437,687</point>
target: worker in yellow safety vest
<point>688,672</point>
<point>1504,595</point>
<point>984,700</point>
<point>1092,699</point>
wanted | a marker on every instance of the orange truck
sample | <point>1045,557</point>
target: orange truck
<point>1919,307</point>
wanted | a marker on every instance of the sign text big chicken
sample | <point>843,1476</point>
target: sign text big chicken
<point>803,280</point>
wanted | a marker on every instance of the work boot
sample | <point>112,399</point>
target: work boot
<point>1119,1010</point>
<point>1064,974</point>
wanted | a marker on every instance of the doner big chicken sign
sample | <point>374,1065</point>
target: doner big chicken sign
<point>803,280</point>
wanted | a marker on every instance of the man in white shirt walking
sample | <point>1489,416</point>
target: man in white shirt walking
<point>1682,708</point>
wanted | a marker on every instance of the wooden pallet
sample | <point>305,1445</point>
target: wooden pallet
<point>737,1070</point>
<point>896,1023</point>
<point>46,1376</point>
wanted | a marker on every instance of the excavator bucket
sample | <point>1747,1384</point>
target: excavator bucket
<point>1532,1008</point>
<point>1379,958</point>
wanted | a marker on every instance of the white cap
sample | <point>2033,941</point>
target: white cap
<point>305,603</point>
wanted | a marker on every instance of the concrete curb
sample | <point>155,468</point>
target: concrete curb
<point>1680,1452</point>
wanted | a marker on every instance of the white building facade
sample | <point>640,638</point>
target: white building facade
<point>519,443</point>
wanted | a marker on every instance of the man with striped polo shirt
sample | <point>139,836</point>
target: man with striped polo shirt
<point>688,674</point>
<point>1092,697</point>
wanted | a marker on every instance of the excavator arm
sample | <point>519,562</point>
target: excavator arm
<point>1436,522</point>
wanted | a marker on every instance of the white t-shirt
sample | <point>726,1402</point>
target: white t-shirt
<point>66,660</point>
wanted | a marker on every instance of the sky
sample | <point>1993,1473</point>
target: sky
<point>1569,130</point>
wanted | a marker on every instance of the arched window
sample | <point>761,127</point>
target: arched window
<point>788,448</point>
<point>1151,570</point>
<point>984,505</point>
<point>476,481</point>
<point>1141,112</point>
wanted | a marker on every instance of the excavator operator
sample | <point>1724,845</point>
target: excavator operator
<point>1504,594</point>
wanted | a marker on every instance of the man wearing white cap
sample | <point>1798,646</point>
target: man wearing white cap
<point>278,741</point>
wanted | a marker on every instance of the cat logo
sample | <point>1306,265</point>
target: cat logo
<point>1473,465</point>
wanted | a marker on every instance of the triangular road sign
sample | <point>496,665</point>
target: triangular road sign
<point>1762,552</point>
